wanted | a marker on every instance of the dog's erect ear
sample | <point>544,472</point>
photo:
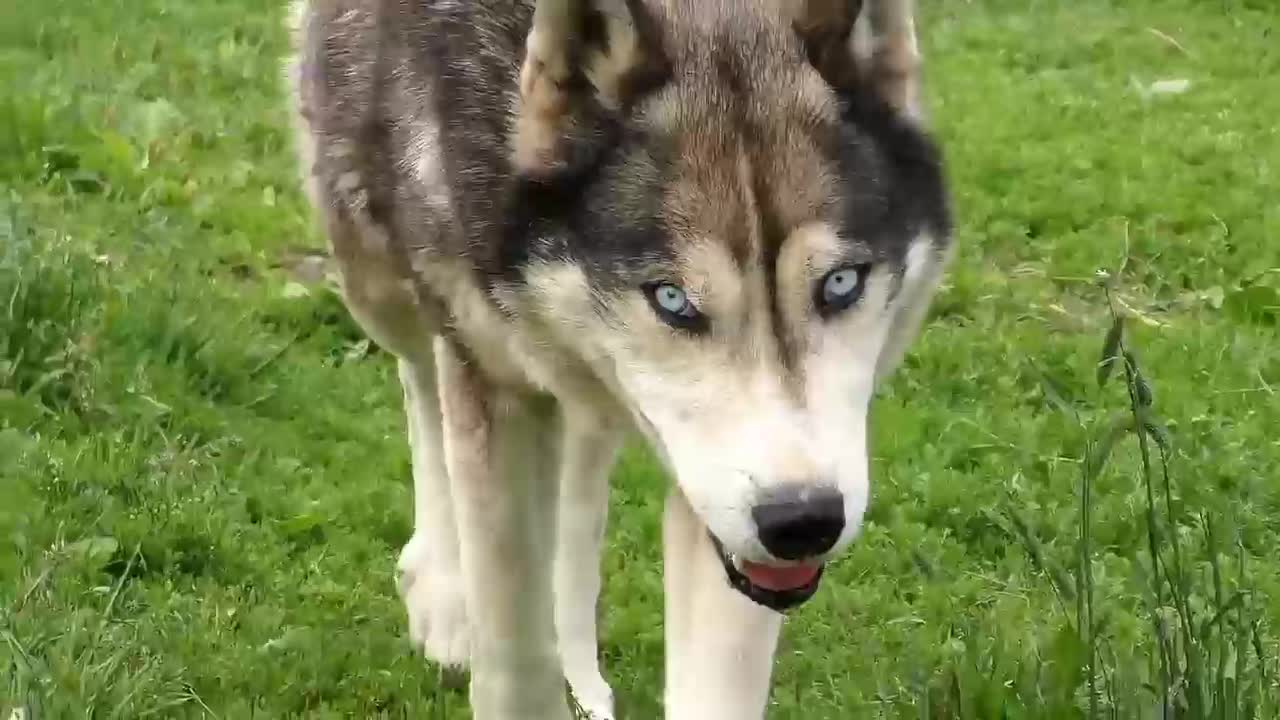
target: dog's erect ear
<point>826,27</point>
<point>583,60</point>
<point>883,56</point>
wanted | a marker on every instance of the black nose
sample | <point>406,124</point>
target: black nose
<point>800,522</point>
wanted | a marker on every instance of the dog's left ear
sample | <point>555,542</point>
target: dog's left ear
<point>584,59</point>
<point>825,27</point>
<point>863,45</point>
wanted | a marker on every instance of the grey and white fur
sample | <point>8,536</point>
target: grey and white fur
<point>714,222</point>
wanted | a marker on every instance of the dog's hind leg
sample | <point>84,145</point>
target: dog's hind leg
<point>720,645</point>
<point>500,452</point>
<point>590,448</point>
<point>430,568</point>
<point>885,37</point>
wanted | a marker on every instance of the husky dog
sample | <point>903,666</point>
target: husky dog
<point>714,222</point>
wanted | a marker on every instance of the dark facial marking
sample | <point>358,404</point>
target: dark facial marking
<point>773,235</point>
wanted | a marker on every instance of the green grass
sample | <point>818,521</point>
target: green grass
<point>204,482</point>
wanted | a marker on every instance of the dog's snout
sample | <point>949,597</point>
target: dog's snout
<point>800,522</point>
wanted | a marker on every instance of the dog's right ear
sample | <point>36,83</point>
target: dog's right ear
<point>583,60</point>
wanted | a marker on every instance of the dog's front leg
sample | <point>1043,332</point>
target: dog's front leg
<point>500,451</point>
<point>430,571</point>
<point>720,645</point>
<point>590,448</point>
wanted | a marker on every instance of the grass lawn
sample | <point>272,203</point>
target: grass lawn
<point>204,480</point>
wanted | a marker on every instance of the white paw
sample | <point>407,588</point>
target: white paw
<point>592,694</point>
<point>433,594</point>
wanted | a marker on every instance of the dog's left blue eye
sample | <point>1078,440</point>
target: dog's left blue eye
<point>673,299</point>
<point>841,288</point>
<point>672,304</point>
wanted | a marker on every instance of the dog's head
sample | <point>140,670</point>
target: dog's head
<point>739,239</point>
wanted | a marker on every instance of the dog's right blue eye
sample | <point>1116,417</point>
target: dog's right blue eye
<point>671,303</point>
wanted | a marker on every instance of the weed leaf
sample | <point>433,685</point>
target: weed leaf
<point>1110,350</point>
<point>1054,391</point>
<point>1099,451</point>
<point>98,550</point>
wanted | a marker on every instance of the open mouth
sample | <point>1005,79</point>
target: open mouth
<point>776,587</point>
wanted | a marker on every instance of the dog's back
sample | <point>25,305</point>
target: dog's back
<point>412,103</point>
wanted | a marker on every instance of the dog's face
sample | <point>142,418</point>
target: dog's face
<point>753,253</point>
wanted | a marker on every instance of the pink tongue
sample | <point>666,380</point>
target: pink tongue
<point>779,578</point>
